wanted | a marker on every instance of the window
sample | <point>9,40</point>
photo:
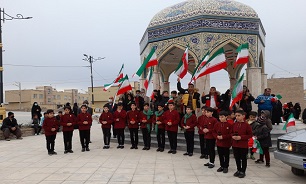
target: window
<point>65,97</point>
<point>49,100</point>
<point>34,96</point>
<point>58,97</point>
<point>49,91</point>
<point>41,96</point>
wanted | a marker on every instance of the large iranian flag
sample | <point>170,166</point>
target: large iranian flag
<point>290,122</point>
<point>243,54</point>
<point>151,60</point>
<point>182,68</point>
<point>148,79</point>
<point>237,92</point>
<point>200,65</point>
<point>215,63</point>
<point>118,79</point>
<point>125,86</point>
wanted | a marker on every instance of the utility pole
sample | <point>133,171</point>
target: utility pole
<point>18,84</point>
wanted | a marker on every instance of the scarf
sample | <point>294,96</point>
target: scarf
<point>186,116</point>
<point>148,113</point>
<point>157,114</point>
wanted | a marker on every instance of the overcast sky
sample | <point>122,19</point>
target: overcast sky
<point>61,31</point>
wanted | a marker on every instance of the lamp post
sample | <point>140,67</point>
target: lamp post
<point>3,17</point>
<point>90,59</point>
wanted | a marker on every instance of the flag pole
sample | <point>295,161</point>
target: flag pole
<point>115,97</point>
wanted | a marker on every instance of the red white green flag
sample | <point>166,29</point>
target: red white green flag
<point>257,147</point>
<point>290,122</point>
<point>148,79</point>
<point>151,60</point>
<point>237,92</point>
<point>215,63</point>
<point>243,54</point>
<point>118,79</point>
<point>182,68</point>
<point>124,86</point>
<point>200,65</point>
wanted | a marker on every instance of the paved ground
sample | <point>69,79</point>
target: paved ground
<point>26,161</point>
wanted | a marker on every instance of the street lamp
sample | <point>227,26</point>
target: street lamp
<point>3,17</point>
<point>90,59</point>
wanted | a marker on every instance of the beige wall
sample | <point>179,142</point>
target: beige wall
<point>291,89</point>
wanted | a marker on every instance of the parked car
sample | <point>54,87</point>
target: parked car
<point>291,149</point>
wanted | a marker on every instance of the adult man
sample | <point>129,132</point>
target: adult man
<point>9,125</point>
<point>212,100</point>
<point>264,101</point>
<point>190,97</point>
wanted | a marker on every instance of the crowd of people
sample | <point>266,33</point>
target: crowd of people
<point>218,125</point>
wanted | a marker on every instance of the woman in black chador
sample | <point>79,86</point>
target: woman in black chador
<point>36,110</point>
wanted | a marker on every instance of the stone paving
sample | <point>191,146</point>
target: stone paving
<point>26,161</point>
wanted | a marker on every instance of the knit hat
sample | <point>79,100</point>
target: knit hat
<point>261,119</point>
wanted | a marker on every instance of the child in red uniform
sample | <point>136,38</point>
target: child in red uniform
<point>68,121</point>
<point>242,131</point>
<point>223,135</point>
<point>106,120</point>
<point>172,119</point>
<point>133,120</point>
<point>158,120</point>
<point>146,117</point>
<point>84,121</point>
<point>200,125</point>
<point>120,120</point>
<point>188,123</point>
<point>231,117</point>
<point>209,125</point>
<point>50,127</point>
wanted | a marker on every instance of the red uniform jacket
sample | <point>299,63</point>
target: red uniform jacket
<point>50,123</point>
<point>133,116</point>
<point>224,129</point>
<point>65,119</point>
<point>84,117</point>
<point>122,119</point>
<point>245,131</point>
<point>200,124</point>
<point>160,118</point>
<point>108,117</point>
<point>209,123</point>
<point>142,116</point>
<point>191,121</point>
<point>174,118</point>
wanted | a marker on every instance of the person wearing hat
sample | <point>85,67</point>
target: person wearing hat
<point>9,125</point>
<point>119,117</point>
<point>172,120</point>
<point>190,97</point>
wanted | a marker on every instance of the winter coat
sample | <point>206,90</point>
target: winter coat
<point>244,130</point>
<point>266,105</point>
<point>195,97</point>
<point>225,101</point>
<point>65,119</point>
<point>108,117</point>
<point>50,123</point>
<point>84,117</point>
<point>133,116</point>
<point>7,123</point>
<point>121,116</point>
<point>246,104</point>
<point>277,112</point>
<point>262,132</point>
<point>268,120</point>
<point>174,118</point>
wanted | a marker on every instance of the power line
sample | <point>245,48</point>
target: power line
<point>282,69</point>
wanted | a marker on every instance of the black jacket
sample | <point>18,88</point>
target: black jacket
<point>7,123</point>
<point>246,104</point>
<point>277,112</point>
<point>196,95</point>
<point>262,132</point>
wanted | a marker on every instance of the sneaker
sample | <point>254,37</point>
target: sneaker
<point>87,149</point>
<point>50,153</point>
<point>170,151</point>
<point>70,151</point>
<point>66,151</point>
<point>54,153</point>
<point>190,154</point>
<point>252,157</point>
<point>104,147</point>
<point>220,169</point>
<point>174,152</point>
<point>225,170</point>
<point>207,164</point>
<point>144,148</point>
<point>161,149</point>
<point>241,175</point>
<point>136,147</point>
<point>236,174</point>
<point>211,165</point>
<point>267,164</point>
<point>83,149</point>
<point>259,161</point>
<point>158,149</point>
<point>132,147</point>
<point>118,146</point>
<point>202,156</point>
<point>148,148</point>
<point>121,147</point>
<point>186,154</point>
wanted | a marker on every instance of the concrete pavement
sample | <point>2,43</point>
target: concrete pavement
<point>26,161</point>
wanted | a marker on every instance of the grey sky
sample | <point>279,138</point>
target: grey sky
<point>61,31</point>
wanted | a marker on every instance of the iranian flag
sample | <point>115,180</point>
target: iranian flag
<point>151,60</point>
<point>182,68</point>
<point>237,92</point>
<point>200,65</point>
<point>119,77</point>
<point>215,63</point>
<point>257,147</point>
<point>290,122</point>
<point>243,54</point>
<point>125,86</point>
<point>148,79</point>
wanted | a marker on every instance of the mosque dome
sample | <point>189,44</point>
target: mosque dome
<point>209,8</point>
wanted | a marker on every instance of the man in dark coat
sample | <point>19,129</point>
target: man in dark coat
<point>190,98</point>
<point>9,125</point>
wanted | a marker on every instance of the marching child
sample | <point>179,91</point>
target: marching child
<point>120,120</point>
<point>133,120</point>
<point>242,131</point>
<point>67,121</point>
<point>209,125</point>
<point>188,123</point>
<point>158,120</point>
<point>50,127</point>
<point>84,120</point>
<point>106,120</point>
<point>146,117</point>
<point>200,125</point>
<point>222,133</point>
